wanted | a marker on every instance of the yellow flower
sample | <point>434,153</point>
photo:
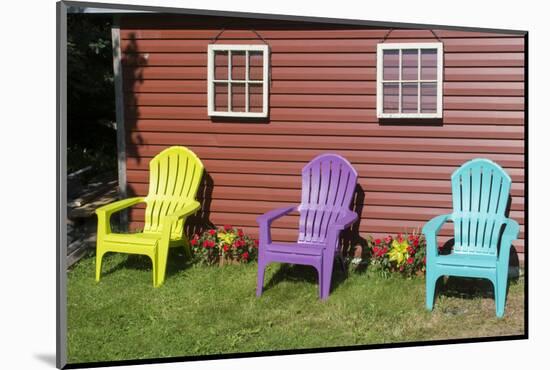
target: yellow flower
<point>227,238</point>
<point>398,252</point>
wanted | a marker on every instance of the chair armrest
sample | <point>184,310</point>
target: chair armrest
<point>511,232</point>
<point>430,230</point>
<point>171,219</point>
<point>104,213</point>
<point>117,206</point>
<point>265,220</point>
<point>336,227</point>
<point>187,210</point>
<point>271,216</point>
<point>347,220</point>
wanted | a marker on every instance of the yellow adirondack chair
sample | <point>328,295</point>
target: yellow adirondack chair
<point>174,178</point>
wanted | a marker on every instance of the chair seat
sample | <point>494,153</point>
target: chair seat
<point>467,260</point>
<point>149,239</point>
<point>308,249</point>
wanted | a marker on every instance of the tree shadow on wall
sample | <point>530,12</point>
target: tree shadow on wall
<point>133,61</point>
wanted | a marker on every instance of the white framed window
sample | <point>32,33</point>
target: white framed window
<point>238,80</point>
<point>409,80</point>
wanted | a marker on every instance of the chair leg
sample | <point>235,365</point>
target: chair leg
<point>326,276</point>
<point>162,258</point>
<point>98,262</point>
<point>319,270</point>
<point>431,280</point>
<point>260,279</point>
<point>154,264</point>
<point>500,291</point>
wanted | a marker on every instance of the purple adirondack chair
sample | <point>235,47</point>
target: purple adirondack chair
<point>328,185</point>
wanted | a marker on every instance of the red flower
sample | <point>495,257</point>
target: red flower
<point>256,243</point>
<point>225,248</point>
<point>206,243</point>
<point>240,233</point>
<point>212,232</point>
<point>227,227</point>
<point>245,256</point>
<point>401,268</point>
<point>377,241</point>
<point>193,241</point>
<point>385,250</point>
<point>388,239</point>
<point>415,242</point>
<point>410,237</point>
<point>410,260</point>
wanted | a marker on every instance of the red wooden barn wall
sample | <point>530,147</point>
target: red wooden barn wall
<point>322,99</point>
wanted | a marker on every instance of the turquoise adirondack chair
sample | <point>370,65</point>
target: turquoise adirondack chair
<point>174,178</point>
<point>483,235</point>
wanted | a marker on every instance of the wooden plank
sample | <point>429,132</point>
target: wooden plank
<point>327,101</point>
<point>146,152</point>
<point>321,45</point>
<point>315,32</point>
<point>331,129</point>
<point>494,88</point>
<point>322,59</point>
<point>487,88</point>
<point>496,103</point>
<point>501,74</point>
<point>327,143</point>
<point>327,115</point>
<point>484,59</point>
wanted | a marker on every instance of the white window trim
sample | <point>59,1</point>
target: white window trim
<point>265,80</point>
<point>379,75</point>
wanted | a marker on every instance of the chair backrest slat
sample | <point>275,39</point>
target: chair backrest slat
<point>480,195</point>
<point>328,184</point>
<point>174,178</point>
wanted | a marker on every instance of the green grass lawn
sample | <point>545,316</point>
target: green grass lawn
<point>211,310</point>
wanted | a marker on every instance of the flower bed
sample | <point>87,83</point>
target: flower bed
<point>404,254</point>
<point>227,245</point>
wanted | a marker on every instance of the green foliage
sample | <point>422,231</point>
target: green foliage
<point>90,94</point>
<point>202,310</point>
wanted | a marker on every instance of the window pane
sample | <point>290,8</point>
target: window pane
<point>255,97</point>
<point>391,98</point>
<point>237,97</point>
<point>428,60</point>
<point>255,63</point>
<point>391,65</point>
<point>220,97</point>
<point>409,64</point>
<point>409,100</point>
<point>220,65</point>
<point>238,66</point>
<point>428,97</point>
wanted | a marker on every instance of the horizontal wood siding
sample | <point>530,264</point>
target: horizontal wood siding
<point>322,99</point>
